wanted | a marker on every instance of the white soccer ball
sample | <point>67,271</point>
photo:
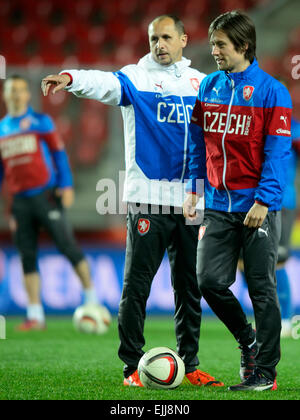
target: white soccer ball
<point>92,319</point>
<point>161,368</point>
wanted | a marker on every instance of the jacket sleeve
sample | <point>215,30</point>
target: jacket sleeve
<point>196,151</point>
<point>64,174</point>
<point>95,84</point>
<point>59,156</point>
<point>277,146</point>
<point>111,88</point>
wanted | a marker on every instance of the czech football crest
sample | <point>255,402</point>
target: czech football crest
<point>143,226</point>
<point>25,123</point>
<point>247,92</point>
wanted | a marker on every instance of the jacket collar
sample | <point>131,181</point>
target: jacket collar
<point>249,73</point>
<point>19,117</point>
<point>177,68</point>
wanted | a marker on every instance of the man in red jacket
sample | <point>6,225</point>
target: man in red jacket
<point>240,142</point>
<point>35,165</point>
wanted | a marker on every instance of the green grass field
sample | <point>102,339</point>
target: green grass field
<point>61,364</point>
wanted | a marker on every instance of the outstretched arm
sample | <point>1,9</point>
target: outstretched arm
<point>102,86</point>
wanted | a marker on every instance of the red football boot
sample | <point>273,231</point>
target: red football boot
<point>31,325</point>
<point>133,380</point>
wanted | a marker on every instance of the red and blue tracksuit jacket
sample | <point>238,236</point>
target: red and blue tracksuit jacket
<point>32,155</point>
<point>240,140</point>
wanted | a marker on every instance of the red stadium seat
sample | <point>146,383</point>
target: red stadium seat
<point>53,57</point>
<point>5,10</point>
<point>125,54</point>
<point>42,9</point>
<point>5,34</point>
<point>195,9</point>
<point>108,8</point>
<point>96,36</point>
<point>97,31</point>
<point>20,35</point>
<point>157,7</point>
<point>55,104</point>
<point>88,54</point>
<point>129,8</point>
<point>77,29</point>
<point>295,93</point>
<point>64,127</point>
<point>81,9</point>
<point>115,30</point>
<point>93,125</point>
<point>14,57</point>
<point>35,10</point>
<point>93,132</point>
<point>227,5</point>
<point>196,28</point>
<point>88,151</point>
<point>294,39</point>
<point>271,65</point>
<point>132,36</point>
<point>42,32</point>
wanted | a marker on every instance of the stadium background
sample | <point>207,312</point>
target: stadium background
<point>40,37</point>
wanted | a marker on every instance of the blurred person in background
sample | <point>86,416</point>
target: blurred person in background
<point>288,217</point>
<point>156,97</point>
<point>35,166</point>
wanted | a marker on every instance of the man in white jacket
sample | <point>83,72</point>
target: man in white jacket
<point>156,97</point>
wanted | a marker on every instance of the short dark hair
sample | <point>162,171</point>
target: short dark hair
<point>177,22</point>
<point>239,28</point>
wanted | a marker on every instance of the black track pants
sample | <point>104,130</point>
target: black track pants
<point>42,210</point>
<point>217,256</point>
<point>148,237</point>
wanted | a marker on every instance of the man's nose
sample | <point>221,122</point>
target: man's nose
<point>160,45</point>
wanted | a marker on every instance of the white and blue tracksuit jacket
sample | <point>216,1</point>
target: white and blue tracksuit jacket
<point>157,103</point>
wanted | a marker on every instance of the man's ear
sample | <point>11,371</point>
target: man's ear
<point>245,47</point>
<point>184,40</point>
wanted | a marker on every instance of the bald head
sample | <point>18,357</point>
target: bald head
<point>176,21</point>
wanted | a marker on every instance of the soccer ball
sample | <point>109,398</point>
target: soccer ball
<point>161,368</point>
<point>92,319</point>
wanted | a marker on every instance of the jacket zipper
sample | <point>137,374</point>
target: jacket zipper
<point>223,144</point>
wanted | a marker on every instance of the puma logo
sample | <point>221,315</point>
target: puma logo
<point>216,90</point>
